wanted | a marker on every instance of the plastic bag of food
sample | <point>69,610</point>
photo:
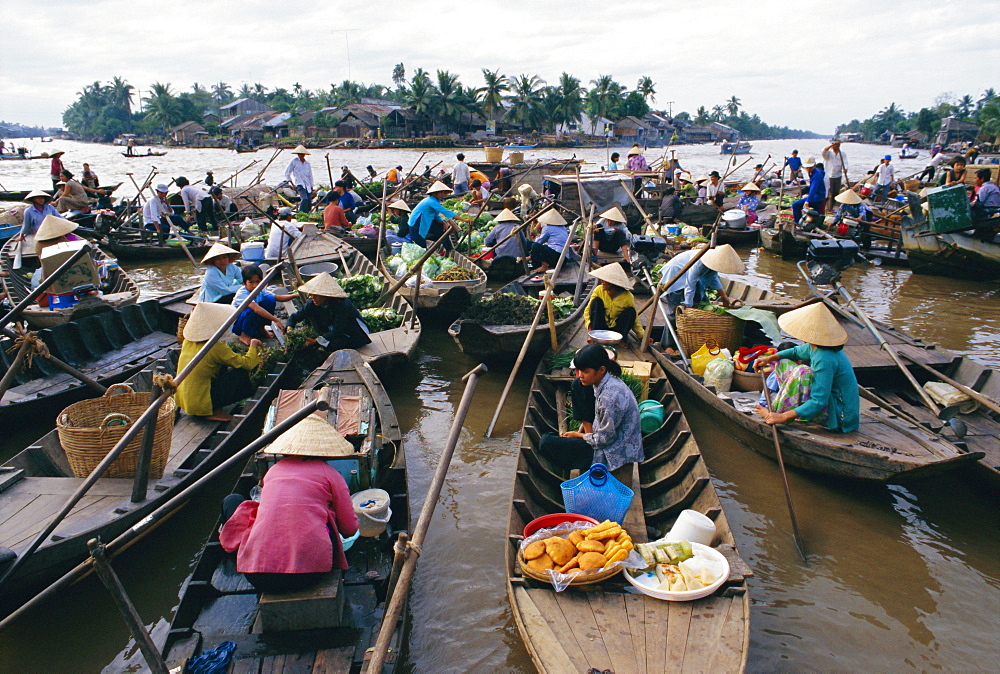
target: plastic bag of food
<point>706,354</point>
<point>690,230</point>
<point>444,264</point>
<point>719,373</point>
<point>411,252</point>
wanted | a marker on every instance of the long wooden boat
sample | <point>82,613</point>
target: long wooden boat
<point>109,347</point>
<point>122,291</point>
<point>366,244</point>
<point>218,603</point>
<point>35,483</point>
<point>389,348</point>
<point>19,195</point>
<point>956,254</point>
<point>505,341</point>
<point>137,250</point>
<point>447,299</point>
<point>140,156</point>
<point>604,627</point>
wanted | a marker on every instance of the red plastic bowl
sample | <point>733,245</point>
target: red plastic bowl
<point>555,519</point>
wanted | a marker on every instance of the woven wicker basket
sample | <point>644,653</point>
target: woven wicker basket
<point>87,437</point>
<point>585,577</point>
<point>695,327</point>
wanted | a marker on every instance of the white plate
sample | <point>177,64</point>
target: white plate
<point>642,583</point>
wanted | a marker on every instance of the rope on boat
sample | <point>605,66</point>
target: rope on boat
<point>36,347</point>
<point>165,382</point>
<point>407,549</point>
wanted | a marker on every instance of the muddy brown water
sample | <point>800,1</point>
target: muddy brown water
<point>898,577</point>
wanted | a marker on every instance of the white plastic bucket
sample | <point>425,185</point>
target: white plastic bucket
<point>252,251</point>
<point>734,219</point>
<point>372,525</point>
<point>692,526</point>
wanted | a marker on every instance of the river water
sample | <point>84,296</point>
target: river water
<point>898,578</point>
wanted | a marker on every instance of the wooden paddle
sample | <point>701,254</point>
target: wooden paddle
<point>784,475</point>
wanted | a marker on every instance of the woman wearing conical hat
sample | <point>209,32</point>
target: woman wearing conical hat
<point>222,377</point>
<point>613,236</point>
<point>300,174</point>
<point>749,201</point>
<point>611,305</point>
<point>823,389</point>
<point>332,314</point>
<point>427,221</point>
<point>398,216</point>
<point>850,205</point>
<point>292,537</point>
<point>222,277</point>
<point>548,246</point>
<point>41,207</point>
<point>513,248</point>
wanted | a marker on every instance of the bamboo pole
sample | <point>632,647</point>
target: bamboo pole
<point>134,429</point>
<point>527,339</point>
<point>381,225</point>
<point>585,254</point>
<point>642,211</point>
<point>419,263</point>
<point>43,286</point>
<point>549,291</point>
<point>784,476</point>
<point>397,599</point>
<point>972,393</point>
<point>141,480</point>
<point>14,369</point>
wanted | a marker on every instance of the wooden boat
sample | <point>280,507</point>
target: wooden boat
<point>135,249</point>
<point>242,149</point>
<point>447,299</point>
<point>35,483</point>
<point>742,147</point>
<point>956,254</point>
<point>139,156</point>
<point>505,341</point>
<point>121,291</point>
<point>366,244</point>
<point>908,154</point>
<point>19,195</point>
<point>604,627</point>
<point>109,347</point>
<point>218,603</point>
<point>389,348</point>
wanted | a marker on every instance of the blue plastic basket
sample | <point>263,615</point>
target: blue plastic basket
<point>598,494</point>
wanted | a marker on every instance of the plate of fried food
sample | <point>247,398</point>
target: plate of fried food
<point>575,553</point>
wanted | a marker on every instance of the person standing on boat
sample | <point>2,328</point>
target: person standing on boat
<point>612,306</point>
<point>816,197</point>
<point>283,230</point>
<point>158,215</point>
<point>936,160</point>
<point>505,223</point>
<point>33,216</point>
<point>427,221</point>
<point>824,389</point>
<point>130,147</point>
<point>885,178</point>
<point>548,246</point>
<point>612,236</point>
<point>835,163</point>
<point>460,175</point>
<point>636,163</point>
<point>222,276</point>
<point>198,205</point>
<point>610,430</point>
<point>300,174</point>
<point>332,314</point>
<point>794,164</point>
<point>222,377</point>
<point>56,167</point>
<point>292,538</point>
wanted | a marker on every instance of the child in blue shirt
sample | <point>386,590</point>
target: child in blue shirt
<point>250,324</point>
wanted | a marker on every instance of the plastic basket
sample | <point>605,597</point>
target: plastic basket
<point>598,494</point>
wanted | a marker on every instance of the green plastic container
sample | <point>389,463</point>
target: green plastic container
<point>948,209</point>
<point>650,416</point>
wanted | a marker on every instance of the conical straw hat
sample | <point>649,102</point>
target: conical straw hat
<point>552,217</point>
<point>323,284</point>
<point>401,205</point>
<point>438,186</point>
<point>301,149</point>
<point>614,213</point>
<point>311,437</point>
<point>206,318</point>
<point>37,193</point>
<point>848,197</point>
<point>613,274</point>
<point>724,259</point>
<point>814,324</point>
<point>506,215</point>
<point>53,227</point>
<point>750,187</point>
<point>218,249</point>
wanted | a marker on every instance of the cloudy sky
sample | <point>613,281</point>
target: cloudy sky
<point>807,64</point>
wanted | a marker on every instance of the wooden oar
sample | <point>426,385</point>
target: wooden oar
<point>972,393</point>
<point>402,586</point>
<point>529,337</point>
<point>784,475</point>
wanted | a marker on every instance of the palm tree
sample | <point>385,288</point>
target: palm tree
<point>526,101</point>
<point>222,93</point>
<point>162,106</point>
<point>701,116</point>
<point>420,95</point>
<point>604,98</point>
<point>245,91</point>
<point>398,75</point>
<point>569,108</point>
<point>121,93</point>
<point>987,96</point>
<point>718,112</point>
<point>645,87</point>
<point>491,93</point>
<point>964,106</point>
<point>448,98</point>
<point>733,105</point>
<point>197,88</point>
<point>989,117</point>
<point>259,90</point>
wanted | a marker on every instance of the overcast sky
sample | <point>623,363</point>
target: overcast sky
<point>809,64</point>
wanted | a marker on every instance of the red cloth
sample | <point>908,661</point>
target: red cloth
<point>56,167</point>
<point>287,531</point>
<point>333,216</point>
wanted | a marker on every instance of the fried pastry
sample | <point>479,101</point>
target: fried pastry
<point>559,549</point>
<point>534,550</point>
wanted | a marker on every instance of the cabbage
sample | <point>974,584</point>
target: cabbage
<point>411,252</point>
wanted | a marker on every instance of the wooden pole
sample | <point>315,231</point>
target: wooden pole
<point>585,254</point>
<point>784,475</point>
<point>642,211</point>
<point>550,290</point>
<point>399,556</point>
<point>381,225</point>
<point>133,430</point>
<point>15,368</point>
<point>110,579</point>
<point>972,393</point>
<point>416,293</point>
<point>43,286</point>
<point>141,480</point>
<point>528,338</point>
<point>396,601</point>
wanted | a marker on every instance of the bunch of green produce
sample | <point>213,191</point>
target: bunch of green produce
<point>295,341</point>
<point>456,273</point>
<point>657,272</point>
<point>309,217</point>
<point>713,308</point>
<point>363,290</point>
<point>502,309</point>
<point>560,360</point>
<point>562,307</point>
<point>381,318</point>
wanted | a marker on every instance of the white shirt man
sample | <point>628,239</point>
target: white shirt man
<point>278,240</point>
<point>834,161</point>
<point>192,196</point>
<point>885,174</point>
<point>300,173</point>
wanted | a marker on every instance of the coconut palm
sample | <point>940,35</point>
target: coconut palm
<point>964,106</point>
<point>398,75</point>
<point>989,117</point>
<point>420,95</point>
<point>604,98</point>
<point>701,116</point>
<point>645,87</point>
<point>162,107</point>
<point>569,107</point>
<point>525,100</point>
<point>259,90</point>
<point>733,106</point>
<point>449,98</point>
<point>491,93</point>
<point>245,91</point>
<point>987,96</point>
<point>121,93</point>
<point>718,112</point>
<point>222,93</point>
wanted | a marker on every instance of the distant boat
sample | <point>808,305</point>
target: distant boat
<point>520,147</point>
<point>743,147</point>
<point>148,154</point>
<point>908,154</point>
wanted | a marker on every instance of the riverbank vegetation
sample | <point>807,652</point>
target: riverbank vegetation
<point>983,110</point>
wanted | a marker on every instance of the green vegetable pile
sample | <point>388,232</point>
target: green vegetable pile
<point>713,308</point>
<point>657,272</point>
<point>456,273</point>
<point>381,318</point>
<point>363,290</point>
<point>295,341</point>
<point>514,309</point>
<point>309,217</point>
<point>558,361</point>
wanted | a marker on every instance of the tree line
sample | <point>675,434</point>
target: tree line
<point>103,111</point>
<point>984,111</point>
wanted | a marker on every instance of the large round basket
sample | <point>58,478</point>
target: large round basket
<point>585,577</point>
<point>89,429</point>
<point>695,327</point>
<point>747,380</point>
